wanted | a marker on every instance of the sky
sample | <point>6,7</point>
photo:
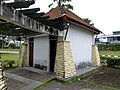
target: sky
<point>105,14</point>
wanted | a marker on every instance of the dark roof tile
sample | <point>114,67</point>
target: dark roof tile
<point>60,12</point>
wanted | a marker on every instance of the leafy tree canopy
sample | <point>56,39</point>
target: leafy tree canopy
<point>87,20</point>
<point>62,3</point>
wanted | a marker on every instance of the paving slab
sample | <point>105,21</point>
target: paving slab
<point>73,86</point>
<point>28,78</point>
<point>30,75</point>
<point>85,70</point>
<point>14,84</point>
<point>25,79</point>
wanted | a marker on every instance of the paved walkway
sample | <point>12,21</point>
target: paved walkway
<point>73,86</point>
<point>27,78</point>
<point>85,70</point>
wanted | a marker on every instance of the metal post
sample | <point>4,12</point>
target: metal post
<point>66,31</point>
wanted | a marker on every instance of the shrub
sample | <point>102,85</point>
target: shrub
<point>8,64</point>
<point>11,63</point>
<point>5,64</point>
<point>111,61</point>
<point>12,45</point>
<point>109,47</point>
<point>103,59</point>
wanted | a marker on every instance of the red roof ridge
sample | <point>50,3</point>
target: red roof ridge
<point>56,12</point>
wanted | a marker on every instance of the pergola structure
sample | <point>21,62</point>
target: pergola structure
<point>16,21</point>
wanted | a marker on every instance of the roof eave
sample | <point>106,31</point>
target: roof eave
<point>68,19</point>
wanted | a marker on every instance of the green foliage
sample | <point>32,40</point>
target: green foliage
<point>112,53</point>
<point>11,63</point>
<point>9,56</point>
<point>12,45</point>
<point>8,64</point>
<point>111,61</point>
<point>68,6</point>
<point>87,20</point>
<point>62,3</point>
<point>109,47</point>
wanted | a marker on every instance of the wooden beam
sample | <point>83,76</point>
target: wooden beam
<point>24,4</point>
<point>35,15</point>
<point>30,11</point>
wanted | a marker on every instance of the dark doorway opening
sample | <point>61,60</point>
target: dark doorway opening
<point>31,51</point>
<point>53,47</point>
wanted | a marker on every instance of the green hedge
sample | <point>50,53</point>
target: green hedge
<point>111,61</point>
<point>109,47</point>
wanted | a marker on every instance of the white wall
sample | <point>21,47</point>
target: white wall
<point>41,51</point>
<point>81,41</point>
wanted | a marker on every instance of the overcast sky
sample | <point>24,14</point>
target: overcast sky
<point>105,14</point>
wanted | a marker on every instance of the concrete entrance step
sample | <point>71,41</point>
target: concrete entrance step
<point>39,71</point>
<point>85,70</point>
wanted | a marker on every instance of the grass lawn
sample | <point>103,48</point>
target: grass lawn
<point>7,56</point>
<point>9,60</point>
<point>117,53</point>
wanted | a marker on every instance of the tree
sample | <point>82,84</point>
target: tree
<point>62,3</point>
<point>19,0</point>
<point>87,20</point>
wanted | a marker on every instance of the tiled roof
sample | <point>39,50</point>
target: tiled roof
<point>57,12</point>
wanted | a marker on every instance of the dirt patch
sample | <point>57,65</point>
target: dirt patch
<point>106,76</point>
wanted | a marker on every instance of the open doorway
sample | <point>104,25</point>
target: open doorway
<point>53,47</point>
<point>31,51</point>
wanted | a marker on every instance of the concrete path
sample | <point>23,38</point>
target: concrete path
<point>26,78</point>
<point>31,83</point>
<point>85,70</point>
<point>73,86</point>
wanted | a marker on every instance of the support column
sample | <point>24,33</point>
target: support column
<point>3,85</point>
<point>95,56</point>
<point>24,54</point>
<point>64,65</point>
